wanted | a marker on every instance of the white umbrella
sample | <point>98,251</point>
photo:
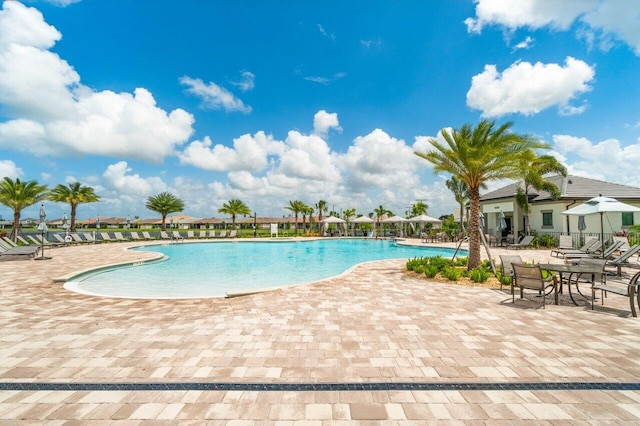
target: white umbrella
<point>601,205</point>
<point>362,219</point>
<point>423,218</point>
<point>502,222</point>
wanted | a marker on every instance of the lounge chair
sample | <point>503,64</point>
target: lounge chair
<point>134,235</point>
<point>190,235</point>
<point>524,243</point>
<point>530,277</point>
<point>212,233</point>
<point>42,241</point>
<point>77,238</point>
<point>506,262</point>
<point>223,234</point>
<point>233,234</point>
<point>164,235</point>
<point>175,235</point>
<point>59,238</point>
<point>565,242</point>
<point>119,236</point>
<point>606,254</point>
<point>89,237</point>
<point>23,241</point>
<point>625,243</point>
<point>586,248</point>
<point>202,234</point>
<point>623,259</point>
<point>146,235</point>
<point>8,250</point>
<point>105,236</point>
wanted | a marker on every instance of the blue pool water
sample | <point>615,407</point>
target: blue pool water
<point>213,269</point>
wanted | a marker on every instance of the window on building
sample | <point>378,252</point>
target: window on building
<point>547,219</point>
<point>627,218</point>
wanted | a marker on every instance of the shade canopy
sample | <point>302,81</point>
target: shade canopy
<point>362,219</point>
<point>423,218</point>
<point>332,219</point>
<point>601,205</point>
<point>394,219</point>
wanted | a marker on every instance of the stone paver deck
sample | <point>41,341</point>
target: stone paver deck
<point>371,325</point>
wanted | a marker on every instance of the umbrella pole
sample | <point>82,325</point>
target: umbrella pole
<point>602,233</point>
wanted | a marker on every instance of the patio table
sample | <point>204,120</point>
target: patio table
<point>572,270</point>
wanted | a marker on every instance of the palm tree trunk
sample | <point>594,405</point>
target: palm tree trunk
<point>474,229</point>
<point>164,222</point>
<point>462,217</point>
<point>295,217</point>
<point>72,228</point>
<point>16,225</point>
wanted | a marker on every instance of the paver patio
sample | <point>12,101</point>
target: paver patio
<point>373,324</point>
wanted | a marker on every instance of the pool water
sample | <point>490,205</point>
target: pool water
<point>214,269</point>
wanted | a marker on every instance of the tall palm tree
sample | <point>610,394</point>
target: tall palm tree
<point>461,194</point>
<point>74,194</point>
<point>165,203</point>
<point>234,208</point>
<point>476,156</point>
<point>296,207</point>
<point>533,171</point>
<point>18,195</point>
<point>321,207</point>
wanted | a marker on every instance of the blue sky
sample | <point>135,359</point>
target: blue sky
<point>276,101</point>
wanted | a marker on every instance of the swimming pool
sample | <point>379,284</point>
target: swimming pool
<point>193,270</point>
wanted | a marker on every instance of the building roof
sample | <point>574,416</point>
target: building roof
<point>571,187</point>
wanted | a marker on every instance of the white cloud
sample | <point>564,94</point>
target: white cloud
<point>62,3</point>
<point>214,96</point>
<point>600,19</point>
<point>323,121</point>
<point>325,33</point>
<point>524,44</point>
<point>246,82</point>
<point>50,112</point>
<point>327,80</point>
<point>308,157</point>
<point>527,88</point>
<point>378,159</point>
<point>250,153</point>
<point>9,169</point>
<point>605,160</point>
<point>116,178</point>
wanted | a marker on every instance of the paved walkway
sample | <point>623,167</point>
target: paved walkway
<point>374,325</point>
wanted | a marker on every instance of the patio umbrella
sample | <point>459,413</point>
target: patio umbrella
<point>601,205</point>
<point>582,225</point>
<point>335,220</point>
<point>502,222</point>
<point>65,224</point>
<point>362,219</point>
<point>42,227</point>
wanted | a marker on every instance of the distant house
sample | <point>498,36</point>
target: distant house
<point>546,215</point>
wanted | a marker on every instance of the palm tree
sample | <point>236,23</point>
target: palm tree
<point>296,207</point>
<point>418,208</point>
<point>461,194</point>
<point>347,215</point>
<point>322,207</point>
<point>381,211</point>
<point>533,171</point>
<point>234,208</point>
<point>74,194</point>
<point>476,156</point>
<point>18,195</point>
<point>165,203</point>
<point>308,211</point>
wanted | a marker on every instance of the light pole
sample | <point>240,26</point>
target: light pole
<point>255,223</point>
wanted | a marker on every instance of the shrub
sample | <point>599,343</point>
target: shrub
<point>479,275</point>
<point>504,279</point>
<point>451,273</point>
<point>461,261</point>
<point>431,271</point>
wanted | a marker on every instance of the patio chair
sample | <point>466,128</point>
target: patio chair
<point>565,242</point>
<point>506,262</point>
<point>530,277</point>
<point>223,234</point>
<point>625,242</point>
<point>89,237</point>
<point>589,246</point>
<point>202,234</point>
<point>190,235</point>
<point>212,233</point>
<point>77,238</point>
<point>135,235</point>
<point>7,250</point>
<point>119,236</point>
<point>623,259</point>
<point>22,240</point>
<point>233,234</point>
<point>175,235</point>
<point>524,243</point>
<point>164,235</point>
